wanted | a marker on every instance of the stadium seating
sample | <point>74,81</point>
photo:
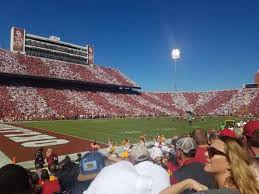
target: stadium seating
<point>35,99</point>
<point>27,103</point>
<point>32,66</point>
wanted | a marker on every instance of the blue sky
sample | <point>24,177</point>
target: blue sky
<point>219,39</point>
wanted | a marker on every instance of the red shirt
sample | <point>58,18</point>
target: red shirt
<point>200,151</point>
<point>52,159</point>
<point>49,187</point>
<point>172,167</point>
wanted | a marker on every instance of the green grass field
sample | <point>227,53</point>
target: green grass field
<point>119,129</point>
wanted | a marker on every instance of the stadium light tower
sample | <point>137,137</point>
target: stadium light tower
<point>176,53</point>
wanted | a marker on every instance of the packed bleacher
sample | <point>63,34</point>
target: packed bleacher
<point>33,88</point>
<point>37,101</point>
<point>15,63</point>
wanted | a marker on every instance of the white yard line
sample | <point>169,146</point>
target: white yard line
<point>24,127</point>
<point>4,159</point>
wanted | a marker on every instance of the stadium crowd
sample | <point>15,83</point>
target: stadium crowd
<point>104,92</point>
<point>25,65</point>
<point>224,161</point>
<point>37,103</point>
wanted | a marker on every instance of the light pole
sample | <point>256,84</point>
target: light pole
<point>175,56</point>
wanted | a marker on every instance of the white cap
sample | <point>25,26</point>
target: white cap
<point>160,178</point>
<point>120,178</point>
<point>155,152</point>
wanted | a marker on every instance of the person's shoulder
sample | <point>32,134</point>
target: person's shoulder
<point>219,191</point>
<point>193,165</point>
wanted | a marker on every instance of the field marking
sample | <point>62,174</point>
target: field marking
<point>4,159</point>
<point>25,127</point>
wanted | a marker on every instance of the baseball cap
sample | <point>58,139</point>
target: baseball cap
<point>139,153</point>
<point>155,152</point>
<point>250,128</point>
<point>120,178</point>
<point>90,164</point>
<point>160,177</point>
<point>186,144</point>
<point>227,133</point>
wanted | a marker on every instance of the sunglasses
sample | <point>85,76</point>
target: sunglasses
<point>213,151</point>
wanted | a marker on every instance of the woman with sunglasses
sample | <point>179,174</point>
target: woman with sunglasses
<point>228,160</point>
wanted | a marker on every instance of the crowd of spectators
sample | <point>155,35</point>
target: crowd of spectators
<point>23,102</point>
<point>34,66</point>
<point>220,161</point>
<point>38,103</point>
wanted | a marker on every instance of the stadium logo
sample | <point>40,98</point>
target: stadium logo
<point>29,138</point>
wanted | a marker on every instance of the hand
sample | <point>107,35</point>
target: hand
<point>196,185</point>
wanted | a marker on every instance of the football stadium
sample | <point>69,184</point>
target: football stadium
<point>52,87</point>
<point>53,96</point>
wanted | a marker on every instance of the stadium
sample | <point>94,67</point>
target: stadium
<point>53,95</point>
<point>129,97</point>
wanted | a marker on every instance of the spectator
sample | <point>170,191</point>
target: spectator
<point>79,157</point>
<point>51,157</point>
<point>212,136</point>
<point>201,140</point>
<point>160,177</point>
<point>142,140</point>
<point>39,159</point>
<point>186,150</point>
<point>67,176</point>
<point>95,146</point>
<point>14,179</point>
<point>156,155</point>
<point>35,183</point>
<point>229,161</point>
<point>49,186</point>
<point>90,165</point>
<point>125,178</point>
<point>111,147</point>
<point>251,132</point>
<point>139,153</point>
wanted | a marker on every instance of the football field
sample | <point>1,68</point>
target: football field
<point>121,128</point>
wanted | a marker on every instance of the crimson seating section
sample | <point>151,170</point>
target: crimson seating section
<point>28,103</point>
<point>15,63</point>
<point>20,101</point>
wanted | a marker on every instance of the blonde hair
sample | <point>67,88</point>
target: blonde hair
<point>239,161</point>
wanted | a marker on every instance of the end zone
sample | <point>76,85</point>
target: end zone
<point>22,143</point>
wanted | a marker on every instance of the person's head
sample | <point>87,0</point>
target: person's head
<point>14,179</point>
<point>212,136</point>
<point>228,160</point>
<point>156,155</point>
<point>139,153</point>
<point>34,178</point>
<point>142,139</point>
<point>49,152</point>
<point>44,175</point>
<point>40,150</point>
<point>53,169</point>
<point>185,148</point>
<point>251,132</point>
<point>90,165</point>
<point>174,140</point>
<point>200,136</point>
